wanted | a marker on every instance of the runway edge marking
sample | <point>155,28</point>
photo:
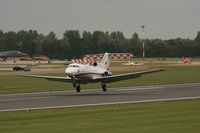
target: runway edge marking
<point>99,104</point>
<point>31,98</point>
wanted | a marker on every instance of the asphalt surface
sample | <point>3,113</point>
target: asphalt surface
<point>60,99</point>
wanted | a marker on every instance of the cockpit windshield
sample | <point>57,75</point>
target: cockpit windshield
<point>73,66</point>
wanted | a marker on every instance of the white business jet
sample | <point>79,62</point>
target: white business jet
<point>91,73</point>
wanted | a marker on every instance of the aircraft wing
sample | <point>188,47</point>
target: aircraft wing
<point>106,79</point>
<point>120,77</point>
<point>52,78</point>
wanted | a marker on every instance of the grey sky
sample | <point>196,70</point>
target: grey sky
<point>163,18</point>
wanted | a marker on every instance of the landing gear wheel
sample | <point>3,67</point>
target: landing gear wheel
<point>78,88</point>
<point>74,85</point>
<point>104,87</point>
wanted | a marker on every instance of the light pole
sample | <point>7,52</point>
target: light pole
<point>143,50</point>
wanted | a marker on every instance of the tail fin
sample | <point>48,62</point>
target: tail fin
<point>105,62</point>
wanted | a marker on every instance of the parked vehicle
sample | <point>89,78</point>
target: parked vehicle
<point>19,68</point>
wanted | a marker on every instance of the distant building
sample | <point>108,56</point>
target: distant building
<point>43,58</point>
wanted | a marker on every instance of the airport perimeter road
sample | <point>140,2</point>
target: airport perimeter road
<point>60,99</point>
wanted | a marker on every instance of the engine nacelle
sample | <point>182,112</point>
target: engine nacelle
<point>107,73</point>
<point>95,64</point>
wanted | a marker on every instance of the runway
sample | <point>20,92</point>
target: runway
<point>60,99</point>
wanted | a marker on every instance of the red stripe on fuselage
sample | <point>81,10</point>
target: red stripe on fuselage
<point>80,74</point>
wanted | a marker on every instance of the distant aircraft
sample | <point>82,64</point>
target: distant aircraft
<point>97,72</point>
<point>132,63</point>
<point>186,60</point>
<point>6,54</point>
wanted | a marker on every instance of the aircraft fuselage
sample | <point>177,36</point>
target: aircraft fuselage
<point>82,71</point>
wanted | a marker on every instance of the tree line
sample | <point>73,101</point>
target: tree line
<point>73,44</point>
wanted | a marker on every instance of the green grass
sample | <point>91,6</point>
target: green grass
<point>165,117</point>
<point>170,75</point>
<point>13,84</point>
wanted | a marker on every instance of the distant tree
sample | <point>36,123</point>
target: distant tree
<point>197,38</point>
<point>197,44</point>
<point>117,35</point>
<point>96,37</point>
<point>120,43</point>
<point>39,42</point>
<point>10,41</point>
<point>72,45</point>
<point>50,46</point>
<point>66,50</point>
<point>87,43</point>
<point>135,45</point>
<point>156,48</point>
<point>2,41</point>
<point>26,41</point>
<point>105,43</point>
<point>74,39</point>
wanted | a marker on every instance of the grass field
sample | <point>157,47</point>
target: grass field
<point>165,117</point>
<point>13,84</point>
<point>170,75</point>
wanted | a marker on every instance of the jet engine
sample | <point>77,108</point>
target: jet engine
<point>107,73</point>
<point>95,64</point>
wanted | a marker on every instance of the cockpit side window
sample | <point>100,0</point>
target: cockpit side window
<point>73,66</point>
<point>76,66</point>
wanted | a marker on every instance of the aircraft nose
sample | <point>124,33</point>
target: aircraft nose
<point>67,71</point>
<point>70,71</point>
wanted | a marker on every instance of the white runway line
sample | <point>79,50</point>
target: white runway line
<point>184,84</point>
<point>35,93</point>
<point>137,89</point>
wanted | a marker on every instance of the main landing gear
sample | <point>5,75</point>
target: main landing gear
<point>77,86</point>
<point>104,86</point>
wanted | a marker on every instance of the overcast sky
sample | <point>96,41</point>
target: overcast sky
<point>163,18</point>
